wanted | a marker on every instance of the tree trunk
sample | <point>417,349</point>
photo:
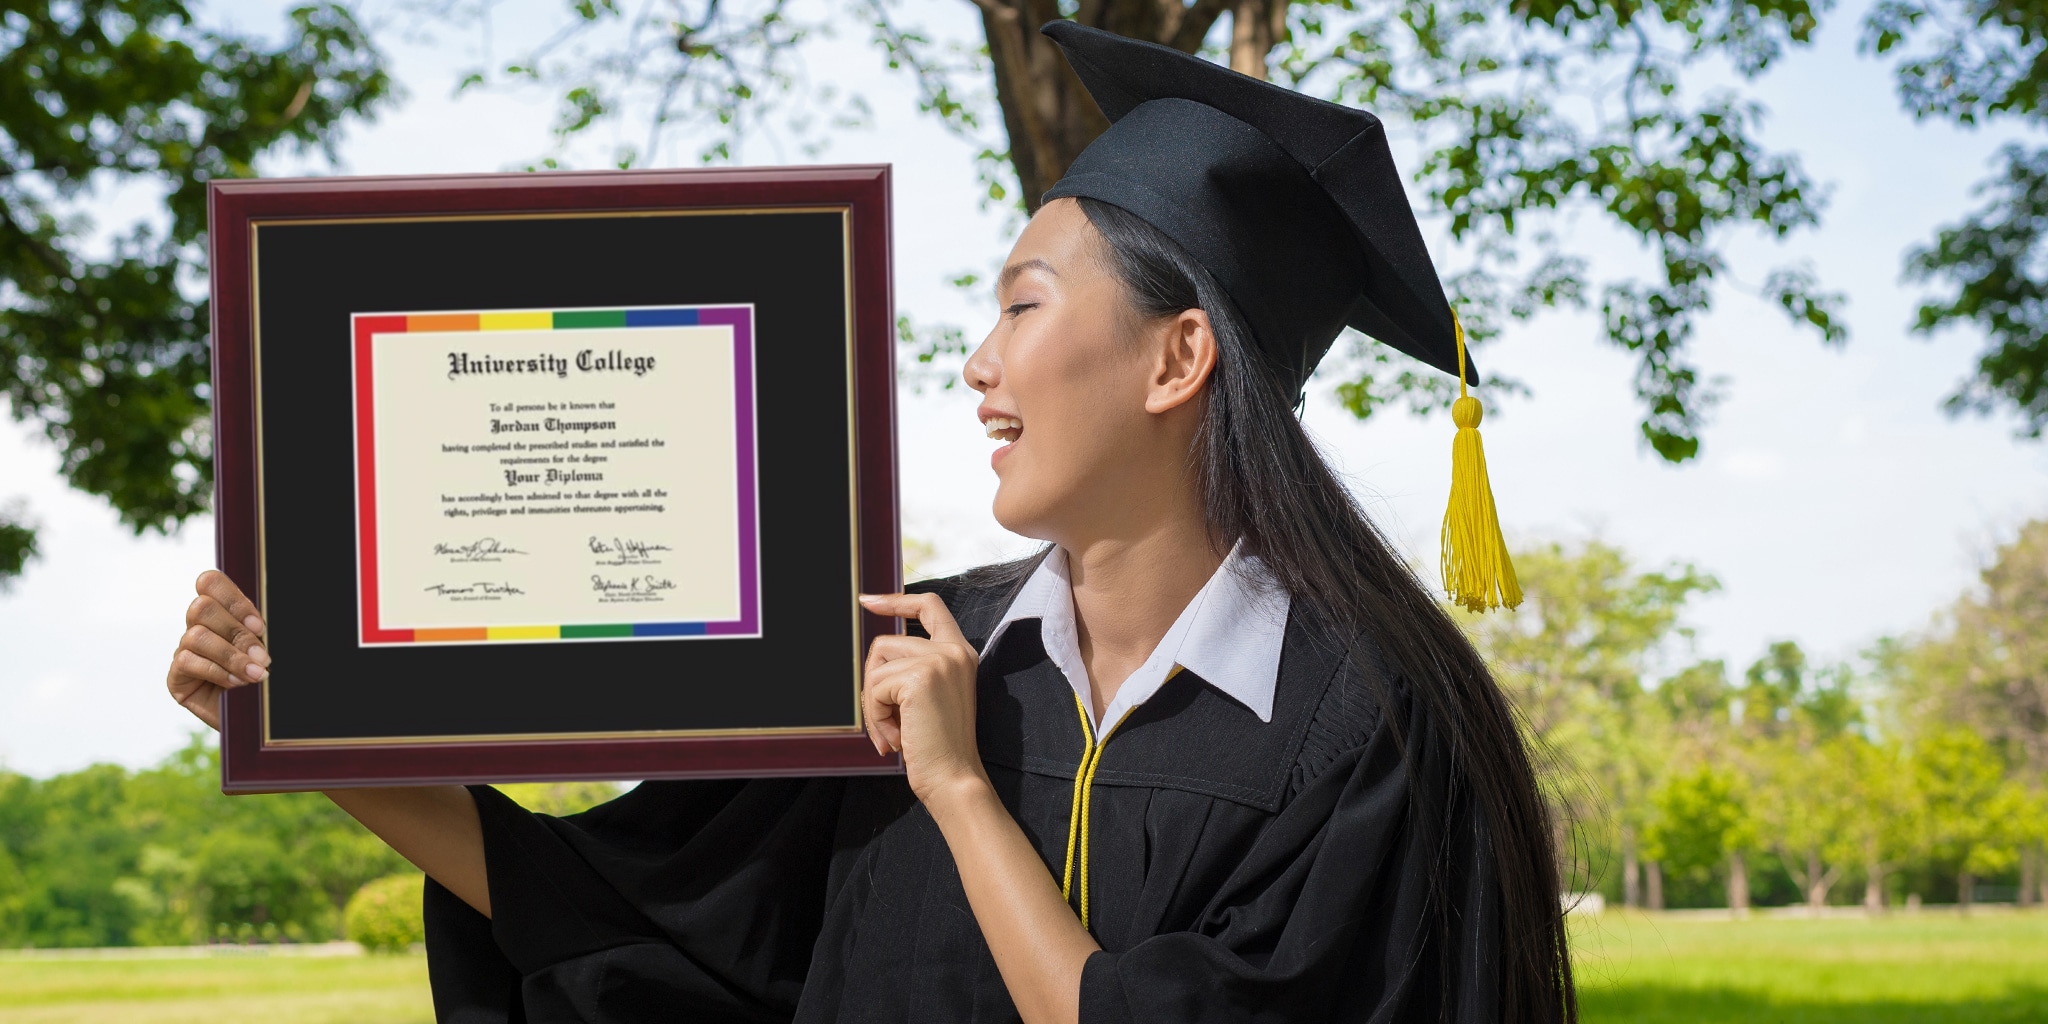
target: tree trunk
<point>1738,883</point>
<point>1818,882</point>
<point>1873,888</point>
<point>1654,875</point>
<point>2030,873</point>
<point>1256,26</point>
<point>1631,875</point>
<point>2040,873</point>
<point>1048,116</point>
<point>1966,890</point>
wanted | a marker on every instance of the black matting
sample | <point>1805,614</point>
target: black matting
<point>798,674</point>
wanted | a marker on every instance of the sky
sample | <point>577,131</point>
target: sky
<point>1834,500</point>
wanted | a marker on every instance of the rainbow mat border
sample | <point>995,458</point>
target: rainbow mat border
<point>739,317</point>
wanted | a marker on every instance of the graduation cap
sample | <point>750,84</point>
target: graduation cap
<point>1294,205</point>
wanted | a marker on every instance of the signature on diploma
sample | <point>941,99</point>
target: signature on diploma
<point>487,549</point>
<point>625,551</point>
<point>632,588</point>
<point>480,591</point>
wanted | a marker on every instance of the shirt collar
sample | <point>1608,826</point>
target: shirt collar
<point>1230,634</point>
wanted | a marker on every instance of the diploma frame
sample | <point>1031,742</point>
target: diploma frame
<point>255,757</point>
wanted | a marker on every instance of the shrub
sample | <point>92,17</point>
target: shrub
<point>384,916</point>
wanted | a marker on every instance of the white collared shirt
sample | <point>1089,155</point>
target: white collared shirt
<point>1230,635</point>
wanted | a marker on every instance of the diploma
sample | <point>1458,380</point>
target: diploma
<point>546,476</point>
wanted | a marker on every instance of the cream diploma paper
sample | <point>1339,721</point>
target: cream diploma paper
<point>533,478</point>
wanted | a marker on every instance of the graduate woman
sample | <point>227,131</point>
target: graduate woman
<point>1215,755</point>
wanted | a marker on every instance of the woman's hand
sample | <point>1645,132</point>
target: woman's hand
<point>919,699</point>
<point>222,648</point>
<point>919,696</point>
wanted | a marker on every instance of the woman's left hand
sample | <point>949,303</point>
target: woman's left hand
<point>919,696</point>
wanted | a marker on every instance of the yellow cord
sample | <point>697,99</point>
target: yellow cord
<point>1087,795</point>
<point>1074,816</point>
<point>1477,571</point>
<point>1084,793</point>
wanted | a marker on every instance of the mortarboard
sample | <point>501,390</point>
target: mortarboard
<point>1294,205</point>
<point>1291,202</point>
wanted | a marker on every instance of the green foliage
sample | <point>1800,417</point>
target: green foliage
<point>1698,695</point>
<point>1992,261</point>
<point>1925,770</point>
<point>1701,817</point>
<point>1529,114</point>
<point>17,542</point>
<point>1971,62</point>
<point>387,915</point>
<point>104,343</point>
<point>106,857</point>
<point>1784,693</point>
<point>1968,806</point>
<point>560,798</point>
<point>1573,658</point>
<point>935,352</point>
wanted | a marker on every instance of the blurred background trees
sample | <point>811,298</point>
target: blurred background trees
<point>1911,772</point>
<point>103,323</point>
<point>107,857</point>
<point>1914,770</point>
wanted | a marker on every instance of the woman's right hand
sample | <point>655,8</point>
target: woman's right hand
<point>222,647</point>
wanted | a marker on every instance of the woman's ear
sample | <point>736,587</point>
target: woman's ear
<point>1185,358</point>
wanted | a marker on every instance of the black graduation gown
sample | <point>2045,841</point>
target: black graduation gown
<point>1239,870</point>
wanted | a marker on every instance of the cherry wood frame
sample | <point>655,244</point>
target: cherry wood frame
<point>247,763</point>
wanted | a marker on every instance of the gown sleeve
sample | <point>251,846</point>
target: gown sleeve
<point>679,899</point>
<point>1329,917</point>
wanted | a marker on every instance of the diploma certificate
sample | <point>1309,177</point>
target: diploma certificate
<point>491,439</point>
<point>543,476</point>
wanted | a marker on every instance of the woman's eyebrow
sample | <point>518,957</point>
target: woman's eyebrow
<point>1016,270</point>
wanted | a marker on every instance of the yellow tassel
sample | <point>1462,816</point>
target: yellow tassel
<point>1477,571</point>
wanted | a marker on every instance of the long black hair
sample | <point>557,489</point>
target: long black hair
<point>1264,483</point>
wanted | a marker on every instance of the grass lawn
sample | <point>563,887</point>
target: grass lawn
<point>217,990</point>
<point>1925,969</point>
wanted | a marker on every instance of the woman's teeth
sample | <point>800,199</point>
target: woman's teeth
<point>1003,428</point>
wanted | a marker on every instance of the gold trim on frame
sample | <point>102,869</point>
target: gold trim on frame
<point>857,728</point>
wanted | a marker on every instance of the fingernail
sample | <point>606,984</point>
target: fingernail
<point>260,656</point>
<point>255,672</point>
<point>254,624</point>
<point>870,597</point>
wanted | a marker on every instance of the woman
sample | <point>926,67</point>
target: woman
<point>1214,755</point>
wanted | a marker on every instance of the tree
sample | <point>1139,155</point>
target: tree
<point>1697,703</point>
<point>1703,824</point>
<point>1970,806</point>
<point>1525,114</point>
<point>102,335</point>
<point>107,857</point>
<point>1971,62</point>
<point>1572,658</point>
<point>1700,704</point>
<point>1882,818</point>
<point>1985,669</point>
<point>1802,755</point>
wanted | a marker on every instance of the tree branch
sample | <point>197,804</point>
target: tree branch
<point>1192,24</point>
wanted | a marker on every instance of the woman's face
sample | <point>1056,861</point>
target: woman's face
<point>1087,403</point>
